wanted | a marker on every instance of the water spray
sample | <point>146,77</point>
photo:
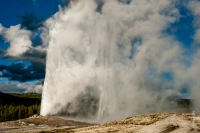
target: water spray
<point>108,64</point>
<point>193,120</point>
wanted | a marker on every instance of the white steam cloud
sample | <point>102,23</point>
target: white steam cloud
<point>194,70</point>
<point>194,6</point>
<point>109,64</point>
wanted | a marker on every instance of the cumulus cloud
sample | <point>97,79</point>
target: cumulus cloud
<point>30,35</point>
<point>19,40</point>
<point>65,2</point>
<point>27,42</point>
<point>11,88</point>
<point>35,88</point>
<point>23,73</point>
<point>16,87</point>
<point>24,46</point>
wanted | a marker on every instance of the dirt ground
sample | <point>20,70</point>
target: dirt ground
<point>150,123</point>
<point>40,124</point>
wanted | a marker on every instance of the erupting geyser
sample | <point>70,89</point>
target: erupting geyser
<point>109,59</point>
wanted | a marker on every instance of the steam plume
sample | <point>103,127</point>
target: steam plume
<point>110,61</point>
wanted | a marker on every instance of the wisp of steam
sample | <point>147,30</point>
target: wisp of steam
<point>109,59</point>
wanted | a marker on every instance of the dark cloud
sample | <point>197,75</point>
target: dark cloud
<point>38,60</point>
<point>30,22</point>
<point>34,55</point>
<point>65,2</point>
<point>20,72</point>
<point>125,1</point>
<point>100,4</point>
<point>40,82</point>
<point>1,51</point>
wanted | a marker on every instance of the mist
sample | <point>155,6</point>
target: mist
<point>109,59</point>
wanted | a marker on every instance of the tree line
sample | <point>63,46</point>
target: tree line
<point>19,106</point>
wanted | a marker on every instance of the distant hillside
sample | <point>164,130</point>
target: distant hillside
<point>17,106</point>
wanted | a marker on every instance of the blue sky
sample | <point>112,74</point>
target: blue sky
<point>15,71</point>
<point>12,11</point>
<point>28,12</point>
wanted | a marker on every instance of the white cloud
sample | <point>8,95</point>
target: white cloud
<point>35,88</point>
<point>19,40</point>
<point>11,87</point>
<point>16,87</point>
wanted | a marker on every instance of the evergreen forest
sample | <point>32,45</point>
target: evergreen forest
<point>14,106</point>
